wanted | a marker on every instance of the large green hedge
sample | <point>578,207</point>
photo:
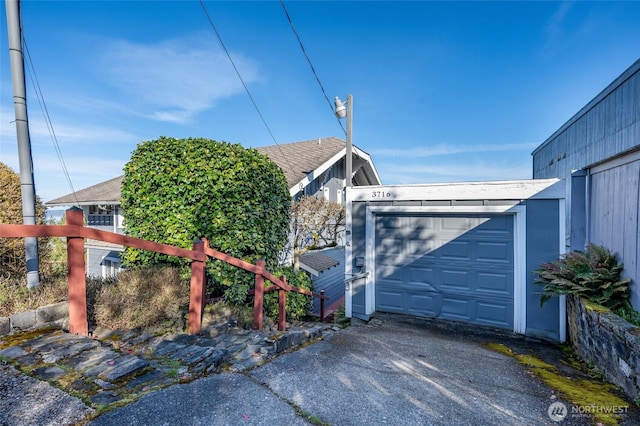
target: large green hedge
<point>178,190</point>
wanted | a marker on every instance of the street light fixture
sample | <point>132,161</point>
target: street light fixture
<point>343,111</point>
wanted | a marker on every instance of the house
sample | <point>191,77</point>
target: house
<point>313,167</point>
<point>597,153</point>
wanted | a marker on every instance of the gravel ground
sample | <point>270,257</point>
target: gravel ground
<point>28,401</point>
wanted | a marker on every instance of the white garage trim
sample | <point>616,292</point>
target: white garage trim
<point>520,268</point>
<point>519,276</point>
<point>494,190</point>
<point>348,257</point>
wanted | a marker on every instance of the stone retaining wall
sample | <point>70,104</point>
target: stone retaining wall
<point>55,315</point>
<point>608,342</point>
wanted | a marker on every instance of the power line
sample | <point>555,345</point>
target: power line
<point>47,119</point>
<point>245,85</point>
<point>313,70</point>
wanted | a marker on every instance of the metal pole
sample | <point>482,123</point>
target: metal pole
<point>24,144</point>
<point>349,155</point>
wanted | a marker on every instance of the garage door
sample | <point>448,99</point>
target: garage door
<point>444,266</point>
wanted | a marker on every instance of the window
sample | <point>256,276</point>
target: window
<point>100,215</point>
<point>110,267</point>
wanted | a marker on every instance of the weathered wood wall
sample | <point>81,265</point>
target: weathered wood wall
<point>614,207</point>
<point>603,141</point>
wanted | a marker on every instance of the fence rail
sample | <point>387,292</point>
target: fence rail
<point>76,232</point>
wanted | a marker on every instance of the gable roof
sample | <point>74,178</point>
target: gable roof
<point>298,159</point>
<point>300,162</point>
<point>102,193</point>
<point>303,161</point>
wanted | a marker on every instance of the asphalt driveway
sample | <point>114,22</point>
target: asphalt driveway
<point>404,373</point>
<point>393,371</point>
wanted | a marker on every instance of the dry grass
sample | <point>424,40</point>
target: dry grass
<point>16,298</point>
<point>143,298</point>
<point>149,298</point>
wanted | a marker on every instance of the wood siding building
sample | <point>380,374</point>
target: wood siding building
<point>597,152</point>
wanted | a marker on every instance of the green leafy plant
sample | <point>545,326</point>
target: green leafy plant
<point>340,317</point>
<point>178,190</point>
<point>629,315</point>
<point>298,305</point>
<point>593,275</point>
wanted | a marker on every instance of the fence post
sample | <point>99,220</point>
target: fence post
<point>322,306</point>
<point>282,307</point>
<point>258,298</point>
<point>76,276</point>
<point>196,291</point>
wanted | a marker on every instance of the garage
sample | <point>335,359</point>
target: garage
<point>451,267</point>
<point>461,252</point>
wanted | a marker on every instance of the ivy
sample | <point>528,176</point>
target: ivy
<point>298,305</point>
<point>176,191</point>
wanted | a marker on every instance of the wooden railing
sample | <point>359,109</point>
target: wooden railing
<point>76,232</point>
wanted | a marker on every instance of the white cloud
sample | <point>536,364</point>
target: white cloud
<point>84,171</point>
<point>454,171</point>
<point>77,134</point>
<point>65,133</point>
<point>176,78</point>
<point>82,167</point>
<point>444,149</point>
<point>555,37</point>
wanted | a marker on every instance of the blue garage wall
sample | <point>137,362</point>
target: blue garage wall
<point>543,245</point>
<point>358,244</point>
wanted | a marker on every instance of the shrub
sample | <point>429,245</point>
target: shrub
<point>593,275</point>
<point>142,298</point>
<point>12,252</point>
<point>177,190</point>
<point>298,305</point>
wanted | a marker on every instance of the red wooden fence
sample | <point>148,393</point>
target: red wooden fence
<point>75,233</point>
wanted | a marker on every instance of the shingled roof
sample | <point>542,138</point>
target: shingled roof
<point>316,262</point>
<point>297,160</point>
<point>102,193</point>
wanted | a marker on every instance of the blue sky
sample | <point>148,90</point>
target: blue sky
<point>443,91</point>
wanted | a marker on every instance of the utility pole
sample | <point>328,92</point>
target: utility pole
<point>342,112</point>
<point>349,140</point>
<point>24,144</point>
